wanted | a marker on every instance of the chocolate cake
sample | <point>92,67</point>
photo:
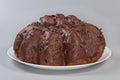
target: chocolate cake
<point>59,40</point>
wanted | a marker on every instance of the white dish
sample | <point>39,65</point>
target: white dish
<point>107,53</point>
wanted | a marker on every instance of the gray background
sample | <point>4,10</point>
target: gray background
<point>16,14</point>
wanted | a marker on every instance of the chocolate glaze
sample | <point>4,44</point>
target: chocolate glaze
<point>59,40</point>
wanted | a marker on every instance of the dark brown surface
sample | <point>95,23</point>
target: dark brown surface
<point>59,40</point>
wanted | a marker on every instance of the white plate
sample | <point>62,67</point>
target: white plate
<point>107,53</point>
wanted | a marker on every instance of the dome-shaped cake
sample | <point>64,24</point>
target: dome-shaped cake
<point>59,40</point>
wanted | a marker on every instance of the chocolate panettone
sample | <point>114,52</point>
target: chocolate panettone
<point>59,40</point>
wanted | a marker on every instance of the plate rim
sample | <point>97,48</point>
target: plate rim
<point>10,53</point>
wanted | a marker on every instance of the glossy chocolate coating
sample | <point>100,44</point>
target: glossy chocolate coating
<point>59,40</point>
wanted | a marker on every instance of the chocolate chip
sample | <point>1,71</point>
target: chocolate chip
<point>45,60</point>
<point>20,35</point>
<point>78,30</point>
<point>83,42</point>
